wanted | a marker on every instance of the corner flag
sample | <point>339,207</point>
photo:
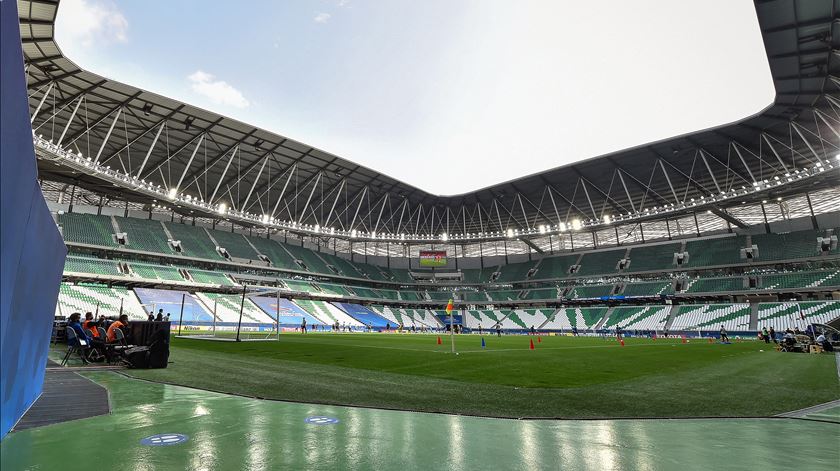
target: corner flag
<point>450,307</point>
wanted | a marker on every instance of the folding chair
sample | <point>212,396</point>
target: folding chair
<point>73,346</point>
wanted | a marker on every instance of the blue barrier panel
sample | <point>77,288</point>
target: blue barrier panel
<point>31,249</point>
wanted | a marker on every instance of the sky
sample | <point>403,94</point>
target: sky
<point>447,95</point>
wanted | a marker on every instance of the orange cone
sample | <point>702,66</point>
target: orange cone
<point>622,342</point>
<point>683,338</point>
<point>532,344</point>
<point>439,342</point>
<point>539,339</point>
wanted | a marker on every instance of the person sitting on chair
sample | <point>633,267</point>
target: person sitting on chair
<point>82,340</point>
<point>122,323</point>
<point>73,323</point>
<point>90,325</point>
<point>824,343</point>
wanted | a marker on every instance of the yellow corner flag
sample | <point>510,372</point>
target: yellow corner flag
<point>450,307</point>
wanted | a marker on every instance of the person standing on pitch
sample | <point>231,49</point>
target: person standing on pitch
<point>303,325</point>
<point>498,330</point>
<point>479,329</point>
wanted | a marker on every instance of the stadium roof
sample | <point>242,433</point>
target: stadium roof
<point>263,176</point>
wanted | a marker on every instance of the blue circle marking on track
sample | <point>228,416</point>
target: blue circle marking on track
<point>164,439</point>
<point>321,420</point>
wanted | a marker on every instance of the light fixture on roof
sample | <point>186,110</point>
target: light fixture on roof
<point>576,224</point>
<point>188,122</point>
<point>172,193</point>
<point>222,209</point>
<point>562,226</point>
<point>542,229</point>
<point>607,219</point>
<point>510,232</point>
<point>265,218</point>
<point>147,109</point>
<point>444,237</point>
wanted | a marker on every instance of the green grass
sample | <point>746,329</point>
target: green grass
<point>563,377</point>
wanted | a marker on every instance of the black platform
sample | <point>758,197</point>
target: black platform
<point>66,396</point>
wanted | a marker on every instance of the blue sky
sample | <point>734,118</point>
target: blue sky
<point>449,96</point>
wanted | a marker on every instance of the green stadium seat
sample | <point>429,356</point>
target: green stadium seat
<point>714,252</point>
<point>555,267</point>
<point>275,252</point>
<point>144,234</point>
<point>589,291</point>
<point>648,288</point>
<point>653,257</point>
<point>599,263</point>
<point>800,244</point>
<point>235,244</point>
<point>515,271</point>
<point>87,229</point>
<point>194,241</point>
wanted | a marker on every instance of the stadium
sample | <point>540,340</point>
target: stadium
<point>671,305</point>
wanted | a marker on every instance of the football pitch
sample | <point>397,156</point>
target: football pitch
<point>562,377</point>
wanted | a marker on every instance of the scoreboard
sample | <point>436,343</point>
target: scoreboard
<point>433,258</point>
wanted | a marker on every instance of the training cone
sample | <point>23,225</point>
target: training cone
<point>482,343</point>
<point>539,339</point>
<point>439,342</point>
<point>683,338</point>
<point>532,344</point>
<point>622,342</point>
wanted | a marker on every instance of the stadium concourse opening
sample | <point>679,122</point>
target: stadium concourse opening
<point>673,305</point>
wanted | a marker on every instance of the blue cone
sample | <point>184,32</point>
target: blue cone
<point>482,342</point>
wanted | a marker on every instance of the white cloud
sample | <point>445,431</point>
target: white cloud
<point>218,91</point>
<point>343,3</point>
<point>322,17</point>
<point>89,22</point>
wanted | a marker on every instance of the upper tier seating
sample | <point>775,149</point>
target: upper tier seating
<point>713,252</point>
<point>598,263</point>
<point>653,257</point>
<point>476,275</point>
<point>555,267</point>
<point>798,244</point>
<point>516,271</point>
<point>144,234</point>
<point>194,241</point>
<point>87,229</point>
<point>313,262</point>
<point>235,244</point>
<point>275,252</point>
